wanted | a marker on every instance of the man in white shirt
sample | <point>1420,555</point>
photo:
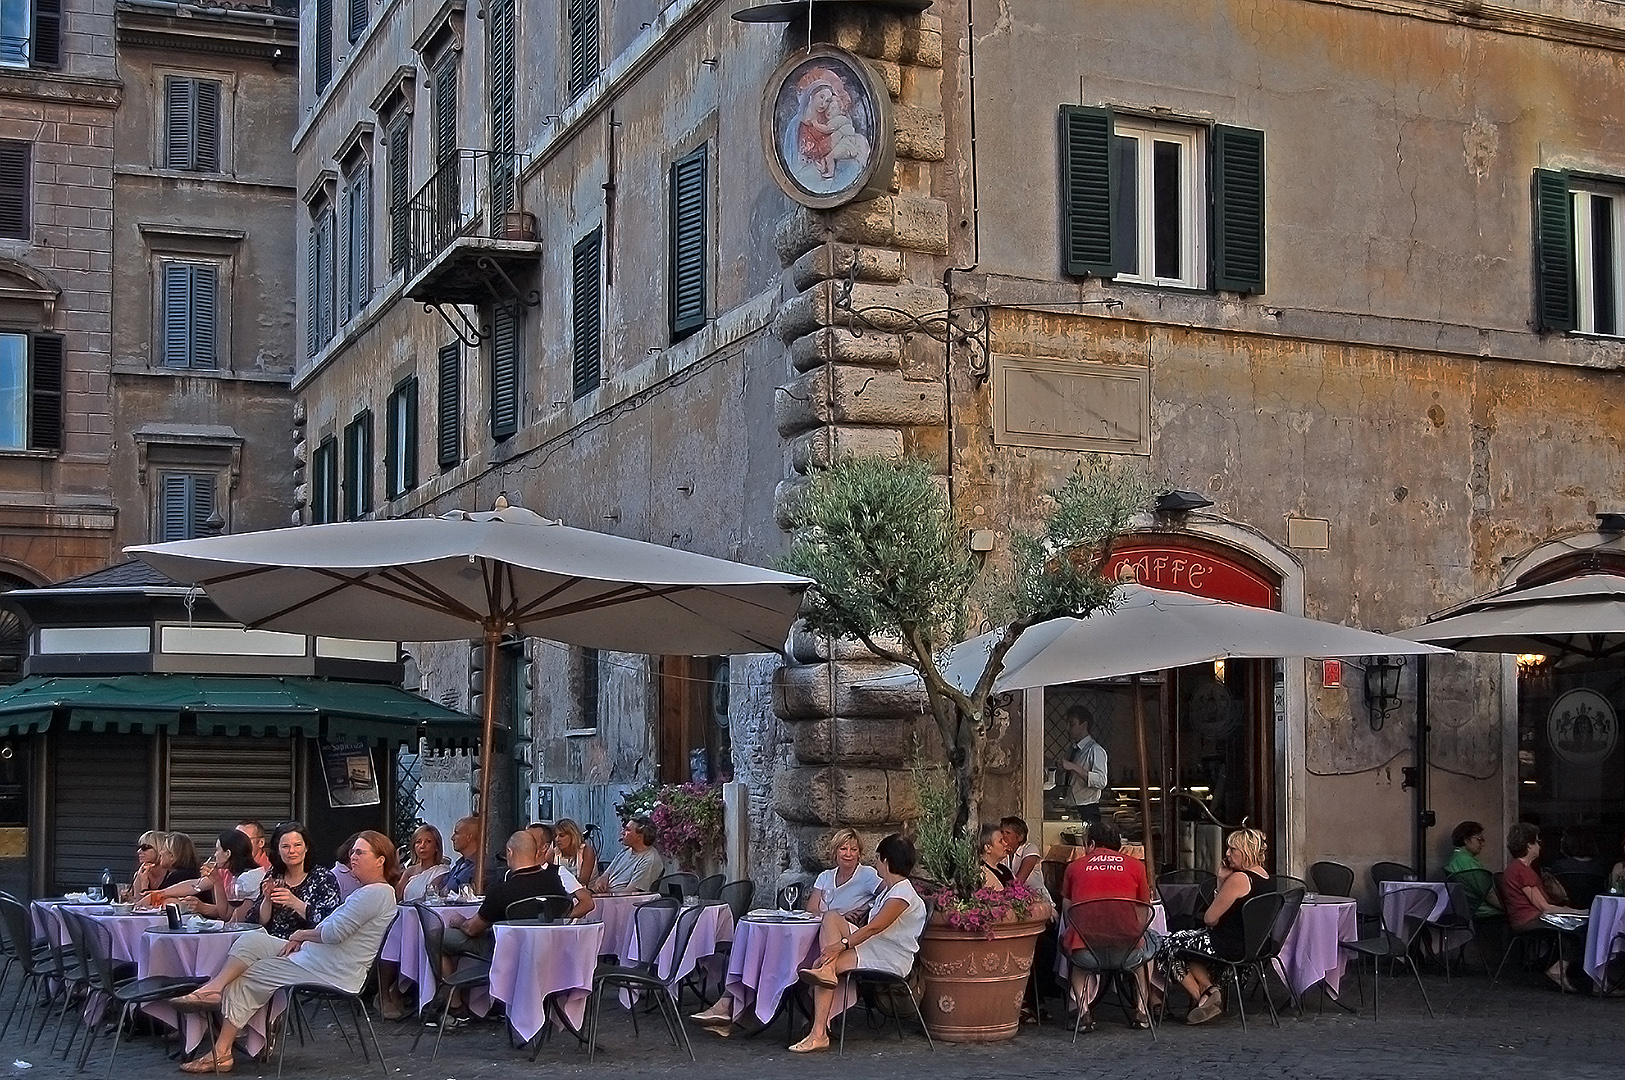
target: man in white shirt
<point>1085,766</point>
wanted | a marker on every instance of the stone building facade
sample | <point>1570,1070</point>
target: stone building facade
<point>1343,270</point>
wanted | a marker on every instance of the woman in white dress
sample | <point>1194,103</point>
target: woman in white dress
<point>887,942</point>
<point>849,886</point>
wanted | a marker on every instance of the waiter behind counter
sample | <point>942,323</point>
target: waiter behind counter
<point>1083,770</point>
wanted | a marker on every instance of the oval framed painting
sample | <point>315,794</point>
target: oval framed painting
<point>827,128</point>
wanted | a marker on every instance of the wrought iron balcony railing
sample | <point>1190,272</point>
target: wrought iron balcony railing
<point>473,193</point>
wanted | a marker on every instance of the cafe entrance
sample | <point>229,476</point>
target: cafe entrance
<point>1210,728</point>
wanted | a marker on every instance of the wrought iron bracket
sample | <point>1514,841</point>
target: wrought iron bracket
<point>467,332</point>
<point>966,326</point>
<point>502,288</point>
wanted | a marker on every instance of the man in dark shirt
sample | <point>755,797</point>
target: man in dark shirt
<point>529,874</point>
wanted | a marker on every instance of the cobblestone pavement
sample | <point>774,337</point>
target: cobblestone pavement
<point>1480,1032</point>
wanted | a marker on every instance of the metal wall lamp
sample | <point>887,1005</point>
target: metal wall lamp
<point>1382,687</point>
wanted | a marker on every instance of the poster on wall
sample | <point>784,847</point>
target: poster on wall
<point>351,780</point>
<point>827,129</point>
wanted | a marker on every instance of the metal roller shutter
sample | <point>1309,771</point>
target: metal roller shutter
<point>102,785</point>
<point>216,782</point>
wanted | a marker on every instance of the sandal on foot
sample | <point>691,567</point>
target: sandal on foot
<point>196,1000</point>
<point>208,1063</point>
<point>819,977</point>
<point>807,1046</point>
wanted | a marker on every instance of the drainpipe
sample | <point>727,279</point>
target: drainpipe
<point>1425,817</point>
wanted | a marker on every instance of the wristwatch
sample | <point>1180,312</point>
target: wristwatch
<point>846,943</point>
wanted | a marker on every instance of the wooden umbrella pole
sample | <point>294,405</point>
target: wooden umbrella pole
<point>488,733</point>
<point>1143,758</point>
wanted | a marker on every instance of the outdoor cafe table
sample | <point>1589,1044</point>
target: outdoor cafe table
<point>765,961</point>
<point>126,929</point>
<point>1607,922</point>
<point>715,924</point>
<point>615,912</point>
<point>201,954</point>
<point>404,945</point>
<point>531,962</point>
<point>1313,951</point>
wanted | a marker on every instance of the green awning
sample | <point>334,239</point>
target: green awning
<point>230,705</point>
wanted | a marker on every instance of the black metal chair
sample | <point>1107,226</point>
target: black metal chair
<point>1582,888</point>
<point>738,895</point>
<point>1258,917</point>
<point>332,996</point>
<point>471,971</point>
<point>710,888</point>
<point>865,982</point>
<point>35,963</point>
<point>94,942</point>
<point>678,886</point>
<point>67,979</point>
<point>1285,883</point>
<point>1112,932</point>
<point>1405,916</point>
<point>1291,907</point>
<point>653,922</point>
<point>9,948</point>
<point>1390,871</point>
<point>1332,878</point>
<point>541,909</point>
<point>1188,875</point>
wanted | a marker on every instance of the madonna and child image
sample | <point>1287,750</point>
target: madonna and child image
<point>824,126</point>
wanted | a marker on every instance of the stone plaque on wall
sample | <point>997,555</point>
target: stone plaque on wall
<point>1071,405</point>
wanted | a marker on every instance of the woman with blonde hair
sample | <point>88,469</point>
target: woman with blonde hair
<point>573,852</point>
<point>1240,878</point>
<point>148,874</point>
<point>849,886</point>
<point>429,863</point>
<point>177,856</point>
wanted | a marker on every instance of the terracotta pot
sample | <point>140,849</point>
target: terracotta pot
<point>972,985</point>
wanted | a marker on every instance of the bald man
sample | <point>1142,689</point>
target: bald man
<point>465,841</point>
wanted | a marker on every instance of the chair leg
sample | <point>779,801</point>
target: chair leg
<point>1241,1006</point>
<point>596,1003</point>
<point>361,1007</point>
<point>1416,972</point>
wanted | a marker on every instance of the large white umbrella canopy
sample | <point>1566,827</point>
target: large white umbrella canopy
<point>481,576</point>
<point>1581,616</point>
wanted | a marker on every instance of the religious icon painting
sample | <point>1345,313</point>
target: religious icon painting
<point>827,129</point>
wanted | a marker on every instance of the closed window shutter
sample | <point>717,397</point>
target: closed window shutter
<point>445,110</point>
<point>205,315</point>
<point>344,253</point>
<point>1236,188</point>
<point>583,45</point>
<point>1554,251</point>
<point>359,11</point>
<point>449,406</point>
<point>15,174</point>
<point>327,299</point>
<point>409,448</point>
<point>399,181</point>
<point>177,286</point>
<point>46,48</point>
<point>585,319</point>
<point>688,243</point>
<point>1088,177</point>
<point>178,123</point>
<point>324,502</point>
<point>206,126</point>
<point>505,350</point>
<point>187,503</point>
<point>324,44</point>
<point>394,437</point>
<point>45,393</point>
<point>364,238</point>
<point>313,318</point>
<point>502,111</point>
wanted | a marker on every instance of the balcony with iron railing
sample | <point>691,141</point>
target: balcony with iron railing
<point>468,237</point>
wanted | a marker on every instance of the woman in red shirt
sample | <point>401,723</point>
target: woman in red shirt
<point>1525,899</point>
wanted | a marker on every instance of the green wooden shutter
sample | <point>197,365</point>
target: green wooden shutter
<point>1236,209</point>
<point>186,502</point>
<point>313,283</point>
<point>1088,179</point>
<point>45,392</point>
<point>583,45</point>
<point>449,406</point>
<point>46,46</point>
<point>399,181</point>
<point>445,109</point>
<point>324,499</point>
<point>206,125</point>
<point>585,315</point>
<point>178,123</point>
<point>688,243</point>
<point>502,176</point>
<point>364,470</point>
<point>1554,252</point>
<point>324,44</point>
<point>327,298</point>
<point>358,241</point>
<point>359,11</point>
<point>16,172</point>
<point>409,446</point>
<point>177,286</point>
<point>505,351</point>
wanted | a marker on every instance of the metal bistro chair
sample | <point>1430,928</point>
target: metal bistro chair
<point>539,909</point>
<point>33,962</point>
<point>653,922</point>
<point>678,886</point>
<point>1471,891</point>
<point>736,895</point>
<point>1582,888</point>
<point>9,948</point>
<point>1395,940</point>
<point>1390,871</point>
<point>67,978</point>
<point>471,972</point>
<point>1332,878</point>
<point>1113,936</point>
<point>331,996</point>
<point>1185,875</point>
<point>865,983</point>
<point>1258,918</point>
<point>94,943</point>
<point>1291,907</point>
<point>710,888</point>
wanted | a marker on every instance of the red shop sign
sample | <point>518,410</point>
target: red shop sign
<point>1201,573</point>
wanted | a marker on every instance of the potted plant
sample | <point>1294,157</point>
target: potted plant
<point>892,568</point>
<point>688,819</point>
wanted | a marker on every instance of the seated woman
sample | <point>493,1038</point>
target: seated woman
<point>573,853</point>
<point>217,880</point>
<point>177,858</point>
<point>887,942</point>
<point>429,864</point>
<point>848,887</point>
<point>995,874</point>
<point>1468,843</point>
<point>341,867</point>
<point>338,952</point>
<point>293,897</point>
<point>1525,898</point>
<point>1241,877</point>
<point>148,874</point>
<point>1616,876</point>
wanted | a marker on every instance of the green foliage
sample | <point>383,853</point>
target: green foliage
<point>946,858</point>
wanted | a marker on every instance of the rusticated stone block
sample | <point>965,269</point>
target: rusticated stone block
<point>824,446</point>
<point>815,691</point>
<point>891,74</point>
<point>855,395</point>
<point>835,261</point>
<point>785,496</point>
<point>836,345</point>
<point>920,224</point>
<point>849,741</point>
<point>844,796</point>
<point>812,850</point>
<point>877,35</point>
<point>920,134</point>
<point>916,222</point>
<point>810,648</point>
<point>887,308</point>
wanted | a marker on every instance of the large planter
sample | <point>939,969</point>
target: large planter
<point>972,984</point>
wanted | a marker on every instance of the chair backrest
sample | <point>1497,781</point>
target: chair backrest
<point>1390,871</point>
<point>710,888</point>
<point>1478,884</point>
<point>1285,883</point>
<point>1110,929</point>
<point>1054,875</point>
<point>93,943</point>
<point>1291,906</point>
<point>14,913</point>
<point>652,922</point>
<point>1188,875</point>
<point>51,917</point>
<point>738,895</point>
<point>1582,887</point>
<point>687,919</point>
<point>434,934</point>
<point>1331,878</point>
<point>1259,914</point>
<point>545,909</point>
<point>1205,892</point>
<point>1405,913</point>
<point>677,886</point>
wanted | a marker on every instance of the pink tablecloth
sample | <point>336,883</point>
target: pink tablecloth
<point>765,962</point>
<point>126,930</point>
<point>531,963</point>
<point>1607,923</point>
<point>164,952</point>
<point>404,946</point>
<point>715,924</point>
<point>1313,952</point>
<point>615,912</point>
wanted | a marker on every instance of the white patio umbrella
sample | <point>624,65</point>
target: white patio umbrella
<point>1580,616</point>
<point>481,576</point>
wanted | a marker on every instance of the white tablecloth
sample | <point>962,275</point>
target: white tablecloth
<point>126,930</point>
<point>531,963</point>
<point>766,960</point>
<point>615,912</point>
<point>404,946</point>
<point>166,952</point>
<point>1607,922</point>
<point>1313,952</point>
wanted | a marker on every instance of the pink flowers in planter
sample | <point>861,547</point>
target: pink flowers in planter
<point>984,909</point>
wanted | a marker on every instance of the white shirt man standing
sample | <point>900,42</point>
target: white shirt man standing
<point>1085,766</point>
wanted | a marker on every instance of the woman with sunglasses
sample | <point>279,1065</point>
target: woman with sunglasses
<point>148,874</point>
<point>215,893</point>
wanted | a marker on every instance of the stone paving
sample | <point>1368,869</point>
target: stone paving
<point>1481,1032</point>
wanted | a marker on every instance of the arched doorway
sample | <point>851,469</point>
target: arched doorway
<point>1211,729</point>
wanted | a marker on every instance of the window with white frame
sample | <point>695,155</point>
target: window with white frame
<point>1158,212</point>
<point>1599,214</point>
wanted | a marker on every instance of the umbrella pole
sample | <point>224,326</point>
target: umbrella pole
<point>488,732</point>
<point>1143,758</point>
